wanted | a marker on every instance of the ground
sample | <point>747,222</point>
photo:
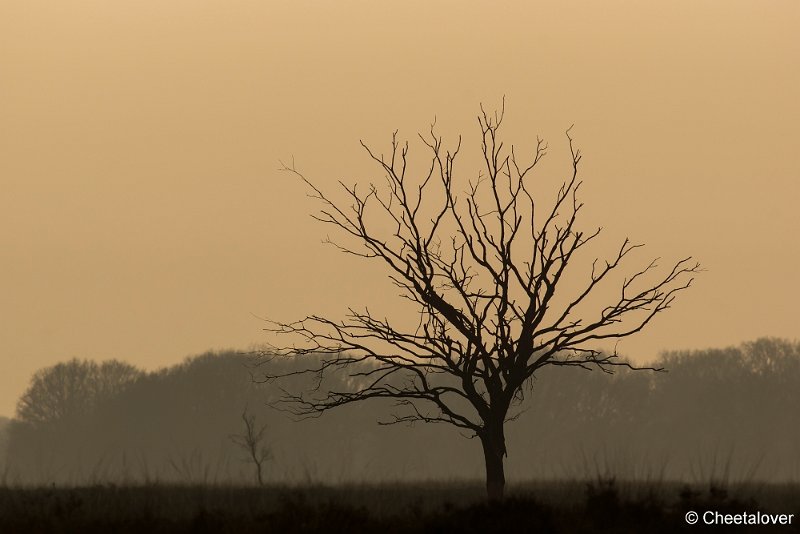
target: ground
<point>555,506</point>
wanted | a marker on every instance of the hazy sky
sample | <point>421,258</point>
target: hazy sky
<point>142,216</point>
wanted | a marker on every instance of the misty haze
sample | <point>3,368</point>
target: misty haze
<point>307,267</point>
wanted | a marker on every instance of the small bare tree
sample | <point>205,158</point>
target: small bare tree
<point>486,269</point>
<point>252,442</point>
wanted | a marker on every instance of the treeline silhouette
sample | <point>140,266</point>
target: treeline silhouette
<point>720,415</point>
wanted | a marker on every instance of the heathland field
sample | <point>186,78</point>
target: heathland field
<point>199,447</point>
<point>602,505</point>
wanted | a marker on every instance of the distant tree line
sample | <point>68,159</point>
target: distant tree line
<point>715,414</point>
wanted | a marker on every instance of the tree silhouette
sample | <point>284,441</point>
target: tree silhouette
<point>252,442</point>
<point>486,270</point>
<point>73,389</point>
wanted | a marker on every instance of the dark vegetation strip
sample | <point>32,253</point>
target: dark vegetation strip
<point>567,506</point>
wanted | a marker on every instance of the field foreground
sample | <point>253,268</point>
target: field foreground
<point>559,506</point>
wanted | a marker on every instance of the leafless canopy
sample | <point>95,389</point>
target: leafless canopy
<point>485,264</point>
<point>252,441</point>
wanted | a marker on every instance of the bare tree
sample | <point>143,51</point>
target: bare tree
<point>252,441</point>
<point>486,268</point>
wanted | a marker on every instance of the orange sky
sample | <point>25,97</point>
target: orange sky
<point>142,216</point>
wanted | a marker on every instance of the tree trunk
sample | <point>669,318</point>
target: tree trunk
<point>494,451</point>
